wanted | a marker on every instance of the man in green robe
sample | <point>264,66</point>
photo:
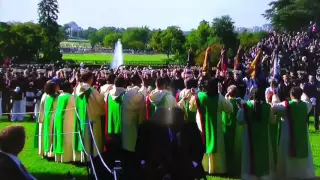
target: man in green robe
<point>295,160</point>
<point>183,97</point>
<point>160,97</point>
<point>232,134</point>
<point>209,107</point>
<point>89,105</point>
<point>114,114</point>
<point>257,159</point>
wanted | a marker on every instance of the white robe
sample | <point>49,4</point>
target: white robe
<point>157,95</point>
<point>133,114</point>
<point>289,167</point>
<point>245,163</point>
<point>215,163</point>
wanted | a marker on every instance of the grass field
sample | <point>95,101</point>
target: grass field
<point>107,58</point>
<point>45,170</point>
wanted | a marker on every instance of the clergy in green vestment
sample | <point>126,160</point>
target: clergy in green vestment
<point>209,105</point>
<point>232,134</point>
<point>295,160</point>
<point>257,157</point>
<point>160,97</point>
<point>113,114</point>
<point>63,124</point>
<point>46,118</point>
<point>183,98</point>
<point>132,115</point>
<point>89,105</point>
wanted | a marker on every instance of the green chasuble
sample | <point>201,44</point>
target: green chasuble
<point>209,111</point>
<point>297,129</point>
<point>161,103</point>
<point>258,138</point>
<point>47,131</point>
<point>190,116</point>
<point>275,136</point>
<point>229,123</point>
<point>81,103</point>
<point>62,103</point>
<point>114,114</point>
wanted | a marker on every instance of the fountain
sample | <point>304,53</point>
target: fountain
<point>117,55</point>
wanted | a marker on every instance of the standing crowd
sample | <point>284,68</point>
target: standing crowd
<point>247,117</point>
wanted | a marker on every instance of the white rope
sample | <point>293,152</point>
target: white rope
<point>37,112</point>
<point>96,147</point>
<point>87,154</point>
<point>56,134</point>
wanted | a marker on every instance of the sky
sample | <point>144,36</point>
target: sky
<point>132,13</point>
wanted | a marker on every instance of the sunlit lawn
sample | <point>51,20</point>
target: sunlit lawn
<point>48,170</point>
<point>107,58</point>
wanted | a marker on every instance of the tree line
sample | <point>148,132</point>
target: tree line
<point>40,41</point>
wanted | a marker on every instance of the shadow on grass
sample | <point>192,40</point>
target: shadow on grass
<point>52,176</point>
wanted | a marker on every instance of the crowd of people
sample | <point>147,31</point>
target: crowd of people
<point>247,117</point>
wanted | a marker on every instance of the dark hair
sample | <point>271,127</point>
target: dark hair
<point>135,79</point>
<point>204,82</point>
<point>120,82</point>
<point>110,78</point>
<point>188,83</point>
<point>50,88</point>
<point>257,96</point>
<point>12,139</point>
<point>296,92</point>
<point>85,75</point>
<point>66,86</point>
<point>213,88</point>
<point>273,82</point>
<point>160,81</point>
<point>166,81</point>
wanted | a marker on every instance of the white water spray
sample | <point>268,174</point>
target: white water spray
<point>117,55</point>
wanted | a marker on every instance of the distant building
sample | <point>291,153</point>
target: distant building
<point>74,27</point>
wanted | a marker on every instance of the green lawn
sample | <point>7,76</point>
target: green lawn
<point>48,170</point>
<point>107,58</point>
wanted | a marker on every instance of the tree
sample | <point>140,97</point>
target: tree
<point>87,32</point>
<point>21,40</point>
<point>111,39</point>
<point>102,32</point>
<point>172,40</point>
<point>200,38</point>
<point>247,39</point>
<point>48,16</point>
<point>136,38</point>
<point>155,41</point>
<point>223,28</point>
<point>94,39</point>
<point>292,15</point>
